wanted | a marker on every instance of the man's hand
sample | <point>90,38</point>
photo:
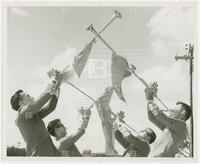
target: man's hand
<point>85,113</point>
<point>151,91</point>
<point>57,92</point>
<point>115,126</point>
<point>121,116</point>
<point>81,111</point>
<point>56,76</point>
<point>117,120</point>
<point>155,109</point>
<point>109,89</point>
<point>132,68</point>
<point>51,88</point>
<point>124,131</point>
<point>56,79</point>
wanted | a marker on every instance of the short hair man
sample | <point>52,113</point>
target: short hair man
<point>66,144</point>
<point>136,145</point>
<point>174,129</point>
<point>30,118</point>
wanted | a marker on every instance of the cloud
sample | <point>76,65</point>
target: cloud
<point>19,11</point>
<point>169,78</point>
<point>172,27</point>
<point>177,22</point>
<point>60,61</point>
<point>159,47</point>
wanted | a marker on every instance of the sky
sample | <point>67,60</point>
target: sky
<point>149,37</point>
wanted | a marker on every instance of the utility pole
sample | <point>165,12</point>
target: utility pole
<point>189,56</point>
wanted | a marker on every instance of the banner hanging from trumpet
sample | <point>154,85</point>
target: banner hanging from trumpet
<point>119,70</point>
<point>104,112</point>
<point>81,59</point>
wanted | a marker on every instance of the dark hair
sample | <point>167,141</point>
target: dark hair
<point>151,134</point>
<point>188,109</point>
<point>51,126</point>
<point>14,101</point>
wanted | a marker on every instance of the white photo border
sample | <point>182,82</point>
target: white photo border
<point>55,3</point>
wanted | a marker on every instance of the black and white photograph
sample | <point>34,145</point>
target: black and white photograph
<point>100,80</point>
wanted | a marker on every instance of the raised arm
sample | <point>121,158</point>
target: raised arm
<point>141,145</point>
<point>129,139</point>
<point>116,127</point>
<point>39,103</point>
<point>152,117</point>
<point>149,95</point>
<point>122,141</point>
<point>52,89</point>
<point>50,107</point>
<point>157,116</point>
<point>31,109</point>
<point>42,100</point>
<point>172,123</point>
<point>67,142</point>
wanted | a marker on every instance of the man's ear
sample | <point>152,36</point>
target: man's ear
<point>183,113</point>
<point>21,103</point>
<point>55,130</point>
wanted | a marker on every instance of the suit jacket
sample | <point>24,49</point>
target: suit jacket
<point>32,127</point>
